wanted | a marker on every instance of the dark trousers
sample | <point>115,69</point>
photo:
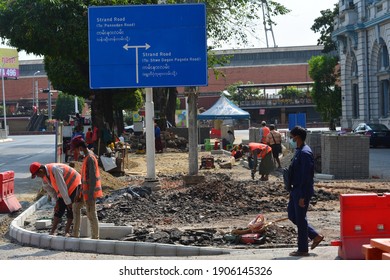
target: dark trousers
<point>60,207</point>
<point>297,215</point>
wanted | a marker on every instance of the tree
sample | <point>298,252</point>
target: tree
<point>239,95</point>
<point>58,30</point>
<point>65,106</point>
<point>326,91</point>
<point>291,92</point>
<point>325,26</point>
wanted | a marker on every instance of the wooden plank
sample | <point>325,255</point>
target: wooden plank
<point>381,243</point>
<point>371,253</point>
<point>385,256</point>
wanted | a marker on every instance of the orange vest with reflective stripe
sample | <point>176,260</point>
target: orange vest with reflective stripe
<point>71,177</point>
<point>266,131</point>
<point>98,192</point>
<point>264,149</point>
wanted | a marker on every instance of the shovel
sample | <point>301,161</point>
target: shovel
<point>265,226</point>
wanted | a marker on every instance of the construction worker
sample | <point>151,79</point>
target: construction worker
<point>264,131</point>
<point>261,151</point>
<point>274,140</point>
<point>91,188</point>
<point>60,181</point>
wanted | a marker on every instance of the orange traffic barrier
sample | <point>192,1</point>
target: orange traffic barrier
<point>362,218</point>
<point>8,201</point>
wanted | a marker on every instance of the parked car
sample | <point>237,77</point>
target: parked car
<point>379,133</point>
<point>138,127</point>
<point>131,129</point>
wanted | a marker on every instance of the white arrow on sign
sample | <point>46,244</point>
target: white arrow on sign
<point>127,47</point>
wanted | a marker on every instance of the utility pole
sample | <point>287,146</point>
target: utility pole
<point>192,94</point>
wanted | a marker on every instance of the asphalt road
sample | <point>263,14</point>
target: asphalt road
<point>18,153</point>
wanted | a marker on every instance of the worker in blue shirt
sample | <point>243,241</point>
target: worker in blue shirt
<point>157,139</point>
<point>303,189</point>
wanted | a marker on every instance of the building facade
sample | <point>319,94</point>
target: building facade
<point>362,30</point>
<point>265,68</point>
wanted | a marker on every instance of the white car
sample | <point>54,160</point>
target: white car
<point>131,129</point>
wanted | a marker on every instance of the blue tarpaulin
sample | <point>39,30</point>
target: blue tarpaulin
<point>224,109</point>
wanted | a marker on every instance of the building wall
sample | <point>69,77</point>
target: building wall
<point>362,31</point>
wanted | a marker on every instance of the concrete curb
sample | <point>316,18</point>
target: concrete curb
<point>87,245</point>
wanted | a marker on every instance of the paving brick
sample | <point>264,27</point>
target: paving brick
<point>166,250</point>
<point>105,247</point>
<point>124,248</point>
<point>46,241</point>
<point>58,243</point>
<point>43,224</point>
<point>144,249</point>
<point>188,251</point>
<point>72,244</point>
<point>114,232</point>
<point>25,237</point>
<point>35,239</point>
<point>88,245</point>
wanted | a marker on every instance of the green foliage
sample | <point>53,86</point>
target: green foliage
<point>65,106</point>
<point>292,92</point>
<point>326,91</point>
<point>239,94</point>
<point>128,99</point>
<point>325,26</point>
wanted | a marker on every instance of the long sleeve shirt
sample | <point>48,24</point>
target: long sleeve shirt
<point>58,173</point>
<point>303,172</point>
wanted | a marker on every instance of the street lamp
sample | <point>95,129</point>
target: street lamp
<point>4,108</point>
<point>34,91</point>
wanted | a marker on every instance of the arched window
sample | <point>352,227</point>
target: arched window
<point>383,79</point>
<point>383,63</point>
<point>354,68</point>
<point>355,87</point>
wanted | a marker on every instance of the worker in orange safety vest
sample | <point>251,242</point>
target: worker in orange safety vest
<point>264,131</point>
<point>60,181</point>
<point>255,151</point>
<point>91,188</point>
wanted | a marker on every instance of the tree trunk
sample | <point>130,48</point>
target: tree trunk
<point>171,105</point>
<point>165,104</point>
<point>101,107</point>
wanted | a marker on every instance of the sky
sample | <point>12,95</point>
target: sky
<point>292,29</point>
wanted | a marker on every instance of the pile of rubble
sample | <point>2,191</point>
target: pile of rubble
<point>200,214</point>
<point>169,140</point>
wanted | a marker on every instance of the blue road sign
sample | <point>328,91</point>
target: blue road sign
<point>147,46</point>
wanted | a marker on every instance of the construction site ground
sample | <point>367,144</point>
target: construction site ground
<point>206,213</point>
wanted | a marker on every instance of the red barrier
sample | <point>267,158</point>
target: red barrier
<point>362,217</point>
<point>8,201</point>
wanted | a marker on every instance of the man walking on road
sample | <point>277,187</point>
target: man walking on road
<point>60,181</point>
<point>303,189</point>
